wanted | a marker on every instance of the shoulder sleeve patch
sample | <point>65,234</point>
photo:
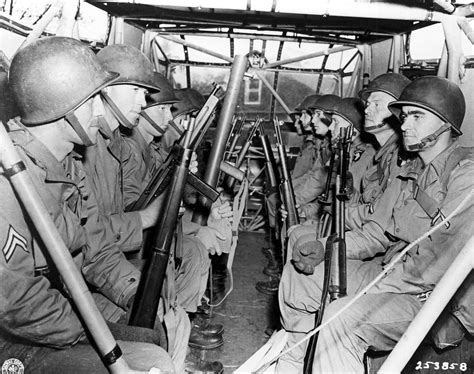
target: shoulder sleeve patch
<point>14,241</point>
<point>357,154</point>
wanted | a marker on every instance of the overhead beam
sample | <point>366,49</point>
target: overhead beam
<point>327,51</point>
<point>316,38</point>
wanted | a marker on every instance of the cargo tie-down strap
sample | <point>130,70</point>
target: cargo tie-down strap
<point>238,207</point>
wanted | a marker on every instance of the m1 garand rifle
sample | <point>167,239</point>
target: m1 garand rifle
<point>335,273</point>
<point>229,181</point>
<point>145,305</point>
<point>286,186</point>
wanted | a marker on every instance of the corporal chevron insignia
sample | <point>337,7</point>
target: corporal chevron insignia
<point>14,240</point>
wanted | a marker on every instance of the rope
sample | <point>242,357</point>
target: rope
<point>397,258</point>
<point>238,208</point>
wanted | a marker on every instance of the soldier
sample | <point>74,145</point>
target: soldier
<point>193,257</point>
<point>145,138</point>
<point>321,121</point>
<point>314,180</point>
<point>345,112</point>
<point>431,110</point>
<point>55,82</point>
<point>302,121</point>
<point>379,122</point>
<point>124,102</point>
<point>105,161</point>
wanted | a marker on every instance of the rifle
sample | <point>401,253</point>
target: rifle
<point>271,169</point>
<point>205,116</point>
<point>237,127</point>
<point>211,176</point>
<point>148,294</point>
<point>159,181</point>
<point>337,241</point>
<point>324,224</point>
<point>286,186</point>
<point>335,274</point>
<point>324,197</point>
<point>230,181</point>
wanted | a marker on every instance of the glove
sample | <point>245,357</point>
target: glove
<point>307,256</point>
<point>210,237</point>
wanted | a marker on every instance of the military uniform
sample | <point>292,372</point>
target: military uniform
<point>307,156</point>
<point>194,257</point>
<point>361,156</point>
<point>34,314</point>
<point>379,318</point>
<point>104,164</point>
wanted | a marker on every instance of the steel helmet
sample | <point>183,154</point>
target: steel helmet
<point>307,103</point>
<point>438,95</point>
<point>390,83</point>
<point>184,105</point>
<point>165,95</point>
<point>53,76</point>
<point>325,103</point>
<point>195,96</point>
<point>352,110</point>
<point>132,65</point>
<point>8,107</point>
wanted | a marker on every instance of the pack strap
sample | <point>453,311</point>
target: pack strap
<point>427,203</point>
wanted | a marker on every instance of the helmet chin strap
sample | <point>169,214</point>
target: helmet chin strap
<point>104,128</point>
<point>427,139</point>
<point>173,124</point>
<point>116,111</point>
<point>151,122</point>
<point>74,122</point>
<point>380,125</point>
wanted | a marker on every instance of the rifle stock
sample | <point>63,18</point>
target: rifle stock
<point>147,297</point>
<point>286,185</point>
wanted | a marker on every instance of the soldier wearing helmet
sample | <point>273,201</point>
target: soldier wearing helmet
<point>345,112</point>
<point>310,185</point>
<point>426,190</point>
<point>302,121</point>
<point>147,156</point>
<point>55,82</point>
<point>124,165</point>
<point>145,139</point>
<point>180,109</point>
<point>379,122</point>
<point>106,162</point>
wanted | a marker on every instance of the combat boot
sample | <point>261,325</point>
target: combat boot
<point>269,287</point>
<point>199,340</point>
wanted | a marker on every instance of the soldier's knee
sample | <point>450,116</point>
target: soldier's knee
<point>144,356</point>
